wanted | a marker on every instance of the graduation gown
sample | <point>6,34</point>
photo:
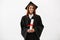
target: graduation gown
<point>37,25</point>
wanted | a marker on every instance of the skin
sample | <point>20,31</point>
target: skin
<point>31,9</point>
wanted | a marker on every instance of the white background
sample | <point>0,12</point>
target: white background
<point>11,12</point>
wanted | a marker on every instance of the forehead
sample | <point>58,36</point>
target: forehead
<point>31,6</point>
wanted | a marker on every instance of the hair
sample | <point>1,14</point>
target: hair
<point>34,12</point>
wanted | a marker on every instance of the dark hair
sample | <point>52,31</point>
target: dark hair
<point>34,12</point>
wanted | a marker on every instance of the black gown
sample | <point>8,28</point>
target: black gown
<point>38,26</point>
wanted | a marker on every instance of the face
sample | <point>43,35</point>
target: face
<point>31,9</point>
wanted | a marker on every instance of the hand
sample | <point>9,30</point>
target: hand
<point>31,31</point>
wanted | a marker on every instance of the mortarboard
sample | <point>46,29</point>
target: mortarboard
<point>31,4</point>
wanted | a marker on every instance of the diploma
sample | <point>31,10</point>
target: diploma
<point>32,20</point>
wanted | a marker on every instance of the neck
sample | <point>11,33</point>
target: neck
<point>31,14</point>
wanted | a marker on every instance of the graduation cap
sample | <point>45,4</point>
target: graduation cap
<point>31,4</point>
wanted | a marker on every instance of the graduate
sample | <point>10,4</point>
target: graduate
<point>31,23</point>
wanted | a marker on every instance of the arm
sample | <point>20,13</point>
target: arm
<point>23,27</point>
<point>38,27</point>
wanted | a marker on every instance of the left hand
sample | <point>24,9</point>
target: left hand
<point>32,30</point>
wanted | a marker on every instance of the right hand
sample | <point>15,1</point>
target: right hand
<point>30,31</point>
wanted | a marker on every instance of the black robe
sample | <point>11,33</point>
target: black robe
<point>38,26</point>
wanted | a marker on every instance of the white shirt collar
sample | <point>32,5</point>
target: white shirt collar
<point>30,16</point>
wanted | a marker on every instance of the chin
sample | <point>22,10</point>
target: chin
<point>30,13</point>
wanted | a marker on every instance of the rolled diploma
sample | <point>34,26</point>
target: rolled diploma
<point>32,20</point>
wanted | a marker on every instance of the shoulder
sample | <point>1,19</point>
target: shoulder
<point>24,17</point>
<point>38,16</point>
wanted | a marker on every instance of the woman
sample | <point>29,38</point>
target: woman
<point>37,25</point>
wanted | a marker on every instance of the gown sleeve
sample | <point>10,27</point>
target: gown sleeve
<point>38,27</point>
<point>23,27</point>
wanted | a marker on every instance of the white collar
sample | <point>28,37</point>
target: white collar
<point>30,16</point>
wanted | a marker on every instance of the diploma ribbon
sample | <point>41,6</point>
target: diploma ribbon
<point>30,25</point>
